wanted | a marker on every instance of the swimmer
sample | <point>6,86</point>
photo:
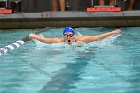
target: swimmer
<point>69,37</point>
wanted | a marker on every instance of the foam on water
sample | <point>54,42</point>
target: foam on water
<point>76,45</point>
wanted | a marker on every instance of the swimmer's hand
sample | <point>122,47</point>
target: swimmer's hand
<point>32,36</point>
<point>117,31</point>
<point>29,37</point>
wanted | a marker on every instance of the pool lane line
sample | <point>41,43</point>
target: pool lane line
<point>18,43</point>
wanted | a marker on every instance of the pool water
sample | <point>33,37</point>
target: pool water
<point>111,65</point>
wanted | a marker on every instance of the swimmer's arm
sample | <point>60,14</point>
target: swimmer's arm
<point>102,36</point>
<point>45,40</point>
<point>98,37</point>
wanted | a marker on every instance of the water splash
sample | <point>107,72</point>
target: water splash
<point>104,42</point>
<point>80,46</point>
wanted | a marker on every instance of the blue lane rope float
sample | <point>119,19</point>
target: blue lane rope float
<point>18,43</point>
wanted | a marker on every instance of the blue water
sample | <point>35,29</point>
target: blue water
<point>111,65</point>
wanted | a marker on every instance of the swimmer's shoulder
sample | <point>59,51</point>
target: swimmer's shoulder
<point>80,38</point>
<point>58,40</point>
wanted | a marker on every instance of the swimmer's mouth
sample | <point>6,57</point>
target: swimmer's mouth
<point>69,41</point>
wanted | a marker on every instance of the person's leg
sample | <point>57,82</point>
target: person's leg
<point>132,2</point>
<point>101,2</point>
<point>112,2</point>
<point>62,5</point>
<point>54,5</point>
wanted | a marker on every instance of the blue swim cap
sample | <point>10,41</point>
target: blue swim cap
<point>68,29</point>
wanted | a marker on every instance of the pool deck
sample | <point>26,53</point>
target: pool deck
<point>70,18</point>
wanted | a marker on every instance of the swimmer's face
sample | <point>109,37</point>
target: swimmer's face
<point>68,37</point>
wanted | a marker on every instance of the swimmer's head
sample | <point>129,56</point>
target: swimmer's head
<point>69,35</point>
<point>68,29</point>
